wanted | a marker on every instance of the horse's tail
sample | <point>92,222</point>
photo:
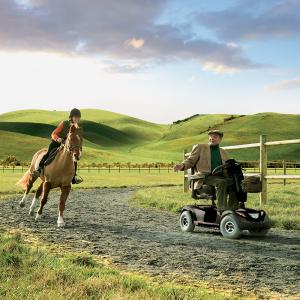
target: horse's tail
<point>26,179</point>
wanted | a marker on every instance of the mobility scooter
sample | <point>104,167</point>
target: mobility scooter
<point>230,222</point>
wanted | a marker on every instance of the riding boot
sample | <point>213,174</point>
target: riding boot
<point>37,172</point>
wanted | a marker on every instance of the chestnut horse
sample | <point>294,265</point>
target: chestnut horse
<point>58,173</point>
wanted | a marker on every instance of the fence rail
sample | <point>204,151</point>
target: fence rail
<point>263,163</point>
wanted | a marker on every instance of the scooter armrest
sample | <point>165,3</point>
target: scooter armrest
<point>196,176</point>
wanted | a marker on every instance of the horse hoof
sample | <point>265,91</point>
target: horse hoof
<point>22,204</point>
<point>60,224</point>
<point>38,216</point>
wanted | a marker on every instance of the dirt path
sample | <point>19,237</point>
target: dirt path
<point>102,222</point>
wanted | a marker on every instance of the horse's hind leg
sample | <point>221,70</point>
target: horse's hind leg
<point>30,183</point>
<point>46,190</point>
<point>35,199</point>
<point>65,191</point>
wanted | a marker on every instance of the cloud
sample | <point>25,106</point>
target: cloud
<point>285,85</point>
<point>219,68</point>
<point>254,19</point>
<point>136,43</point>
<point>114,30</point>
<point>123,66</point>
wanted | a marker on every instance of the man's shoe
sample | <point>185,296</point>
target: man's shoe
<point>220,212</point>
<point>219,215</point>
<point>76,180</point>
<point>242,205</point>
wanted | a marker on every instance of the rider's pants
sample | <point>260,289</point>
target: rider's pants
<point>53,145</point>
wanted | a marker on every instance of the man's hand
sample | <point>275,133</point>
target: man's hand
<point>178,167</point>
<point>59,140</point>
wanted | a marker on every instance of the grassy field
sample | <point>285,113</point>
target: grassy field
<point>111,137</point>
<point>283,204</point>
<point>95,180</point>
<point>31,270</point>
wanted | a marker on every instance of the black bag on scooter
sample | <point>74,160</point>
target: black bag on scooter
<point>234,171</point>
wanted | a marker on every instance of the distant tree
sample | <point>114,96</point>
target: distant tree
<point>10,160</point>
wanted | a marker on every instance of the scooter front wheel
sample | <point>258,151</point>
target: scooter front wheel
<point>229,227</point>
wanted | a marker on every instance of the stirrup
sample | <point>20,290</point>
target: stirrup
<point>37,173</point>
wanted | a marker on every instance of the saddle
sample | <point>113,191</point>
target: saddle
<point>52,155</point>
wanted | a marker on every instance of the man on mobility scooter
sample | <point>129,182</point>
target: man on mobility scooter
<point>214,176</point>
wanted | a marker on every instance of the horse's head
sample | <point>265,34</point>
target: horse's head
<point>74,142</point>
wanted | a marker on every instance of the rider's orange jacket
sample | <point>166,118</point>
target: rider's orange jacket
<point>57,131</point>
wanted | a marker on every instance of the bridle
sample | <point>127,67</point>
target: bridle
<point>72,148</point>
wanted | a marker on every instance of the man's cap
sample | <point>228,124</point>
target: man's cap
<point>218,132</point>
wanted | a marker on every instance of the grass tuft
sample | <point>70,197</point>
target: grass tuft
<point>84,260</point>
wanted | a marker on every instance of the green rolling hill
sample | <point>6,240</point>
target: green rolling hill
<point>112,137</point>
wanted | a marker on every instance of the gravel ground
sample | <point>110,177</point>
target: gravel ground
<point>102,222</point>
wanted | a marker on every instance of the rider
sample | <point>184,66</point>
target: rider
<point>59,135</point>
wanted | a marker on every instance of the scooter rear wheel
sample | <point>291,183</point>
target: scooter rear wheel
<point>186,221</point>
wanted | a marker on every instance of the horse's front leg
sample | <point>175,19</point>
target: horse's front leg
<point>46,190</point>
<point>65,191</point>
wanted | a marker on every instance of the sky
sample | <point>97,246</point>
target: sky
<point>159,60</point>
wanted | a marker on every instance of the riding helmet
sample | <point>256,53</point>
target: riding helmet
<point>75,113</point>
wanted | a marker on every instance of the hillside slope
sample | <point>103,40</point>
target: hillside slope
<point>136,128</point>
<point>238,130</point>
<point>111,137</point>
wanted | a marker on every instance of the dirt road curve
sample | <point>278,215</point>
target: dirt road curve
<point>102,222</point>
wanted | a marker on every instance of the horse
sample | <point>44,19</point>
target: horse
<point>58,173</point>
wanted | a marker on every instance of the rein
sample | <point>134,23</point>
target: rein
<point>70,148</point>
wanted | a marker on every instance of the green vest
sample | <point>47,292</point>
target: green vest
<point>64,133</point>
<point>215,155</point>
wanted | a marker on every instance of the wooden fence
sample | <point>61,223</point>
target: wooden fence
<point>91,169</point>
<point>263,163</point>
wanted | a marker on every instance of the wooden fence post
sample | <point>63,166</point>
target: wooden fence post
<point>185,179</point>
<point>263,167</point>
<point>284,170</point>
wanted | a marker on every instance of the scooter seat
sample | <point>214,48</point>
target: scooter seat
<point>205,192</point>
